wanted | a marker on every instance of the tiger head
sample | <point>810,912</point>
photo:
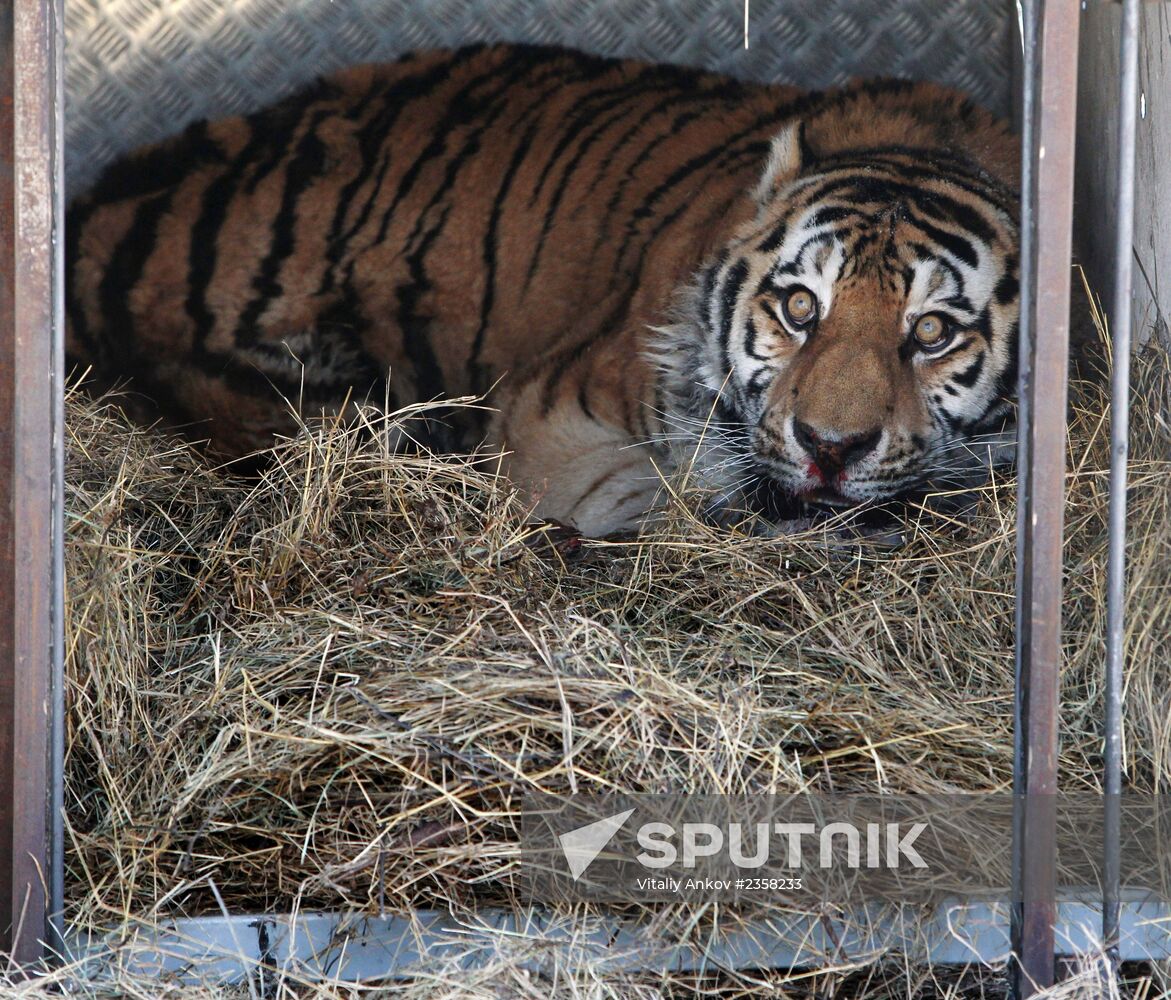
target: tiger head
<point>855,339</point>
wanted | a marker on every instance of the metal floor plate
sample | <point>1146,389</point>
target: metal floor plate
<point>329,946</point>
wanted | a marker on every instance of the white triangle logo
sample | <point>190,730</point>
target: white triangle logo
<point>582,845</point>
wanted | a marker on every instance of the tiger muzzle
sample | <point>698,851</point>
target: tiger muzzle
<point>833,454</point>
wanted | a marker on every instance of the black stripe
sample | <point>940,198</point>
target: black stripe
<point>629,173</point>
<point>561,364</point>
<point>1007,288</point>
<point>729,295</point>
<point>984,324</point>
<point>215,203</point>
<point>156,168</point>
<point>750,335</point>
<point>833,213</point>
<point>727,91</point>
<point>796,264</point>
<point>385,158</point>
<point>75,224</point>
<point>491,108</point>
<point>965,216</point>
<point>708,289</point>
<point>929,255</point>
<point>956,245</point>
<point>373,140</point>
<point>462,109</point>
<point>726,414</point>
<point>857,183</point>
<point>885,183</point>
<point>370,140</point>
<point>960,303</point>
<point>429,381</point>
<point>728,156</point>
<point>611,322</point>
<point>583,115</point>
<point>570,168</point>
<point>776,236</point>
<point>305,166</point>
<point>476,372</point>
<point>1006,381</point>
<point>274,127</point>
<point>956,425</point>
<point>967,378</point>
<point>927,164</point>
<point>760,381</point>
<point>689,168</point>
<point>583,401</point>
<point>123,272</point>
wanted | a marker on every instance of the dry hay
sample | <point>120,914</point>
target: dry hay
<point>328,686</point>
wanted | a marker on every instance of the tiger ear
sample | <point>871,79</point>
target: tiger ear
<point>788,155</point>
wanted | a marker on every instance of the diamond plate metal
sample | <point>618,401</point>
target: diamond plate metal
<point>137,70</point>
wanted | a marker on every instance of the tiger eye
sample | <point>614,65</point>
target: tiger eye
<point>931,332</point>
<point>800,307</point>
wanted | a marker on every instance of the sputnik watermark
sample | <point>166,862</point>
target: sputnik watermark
<point>832,848</point>
<point>583,845</point>
<point>885,844</point>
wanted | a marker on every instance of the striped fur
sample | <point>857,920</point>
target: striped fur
<point>604,247</point>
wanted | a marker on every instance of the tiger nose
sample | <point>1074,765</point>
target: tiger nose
<point>832,454</point>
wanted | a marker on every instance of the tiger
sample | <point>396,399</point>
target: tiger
<point>649,273</point>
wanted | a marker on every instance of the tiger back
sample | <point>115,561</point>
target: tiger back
<point>610,250</point>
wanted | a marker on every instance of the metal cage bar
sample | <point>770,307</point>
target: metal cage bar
<point>1120,332</point>
<point>1051,35</point>
<point>31,440</point>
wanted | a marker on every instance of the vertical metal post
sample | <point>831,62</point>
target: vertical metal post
<point>1028,26</point>
<point>1120,332</point>
<point>1051,30</point>
<point>31,369</point>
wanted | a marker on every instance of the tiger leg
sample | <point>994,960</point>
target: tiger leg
<point>576,468</point>
<point>239,398</point>
<point>244,398</point>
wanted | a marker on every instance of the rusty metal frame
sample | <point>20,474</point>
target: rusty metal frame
<point>31,444</point>
<point>1051,43</point>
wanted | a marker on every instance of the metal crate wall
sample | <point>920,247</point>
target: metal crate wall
<point>193,57</point>
<point>138,70</point>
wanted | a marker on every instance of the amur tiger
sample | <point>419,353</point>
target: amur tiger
<point>650,271</point>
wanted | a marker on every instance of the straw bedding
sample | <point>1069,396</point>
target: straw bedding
<point>327,686</point>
